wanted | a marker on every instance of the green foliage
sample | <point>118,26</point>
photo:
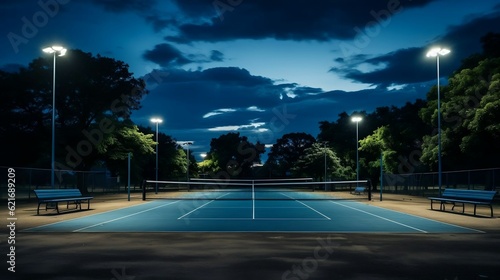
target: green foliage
<point>90,90</point>
<point>470,118</point>
<point>116,146</point>
<point>313,161</point>
<point>233,155</point>
<point>394,132</point>
<point>287,150</point>
<point>380,142</point>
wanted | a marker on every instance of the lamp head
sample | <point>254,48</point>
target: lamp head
<point>356,119</point>
<point>437,51</point>
<point>156,120</point>
<point>55,49</point>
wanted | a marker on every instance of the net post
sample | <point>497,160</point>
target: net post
<point>369,186</point>
<point>144,190</point>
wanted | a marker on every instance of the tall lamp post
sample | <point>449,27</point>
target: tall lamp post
<point>357,120</point>
<point>56,51</point>
<point>187,143</point>
<point>156,121</point>
<point>437,52</point>
<point>324,153</point>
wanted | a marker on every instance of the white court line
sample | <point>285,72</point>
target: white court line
<point>257,219</point>
<point>420,217</point>
<point>123,217</point>
<point>307,206</point>
<point>380,217</point>
<point>200,207</point>
<point>84,217</point>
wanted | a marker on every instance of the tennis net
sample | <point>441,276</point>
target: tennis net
<point>212,189</point>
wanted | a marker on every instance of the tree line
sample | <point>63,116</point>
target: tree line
<point>96,96</point>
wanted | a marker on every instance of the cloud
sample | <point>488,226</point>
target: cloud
<point>216,56</point>
<point>166,55</point>
<point>126,5</point>
<point>253,126</point>
<point>300,20</point>
<point>158,13</point>
<point>406,66</point>
<point>159,23</point>
<point>204,104</point>
<point>218,112</point>
<point>255,109</point>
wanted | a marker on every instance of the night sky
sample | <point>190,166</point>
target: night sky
<point>259,67</point>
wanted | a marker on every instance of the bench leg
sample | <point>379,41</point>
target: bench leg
<point>491,209</point>
<point>38,209</point>
<point>463,206</point>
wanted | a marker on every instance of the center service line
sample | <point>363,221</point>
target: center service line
<point>253,201</point>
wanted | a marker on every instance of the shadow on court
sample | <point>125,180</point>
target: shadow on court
<point>256,256</point>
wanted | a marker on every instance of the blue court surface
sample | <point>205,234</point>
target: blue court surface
<point>220,214</point>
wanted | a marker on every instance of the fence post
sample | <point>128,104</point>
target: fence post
<point>369,185</point>
<point>144,190</point>
<point>381,176</point>
<point>129,155</point>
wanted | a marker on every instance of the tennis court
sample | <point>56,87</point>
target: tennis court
<point>251,207</point>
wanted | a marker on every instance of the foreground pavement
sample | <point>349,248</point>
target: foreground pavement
<point>255,255</point>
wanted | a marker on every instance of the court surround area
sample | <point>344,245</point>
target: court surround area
<point>271,206</point>
<point>397,238</point>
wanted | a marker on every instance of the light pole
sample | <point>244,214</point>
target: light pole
<point>187,143</point>
<point>60,51</point>
<point>324,152</point>
<point>156,121</point>
<point>357,120</point>
<point>437,52</point>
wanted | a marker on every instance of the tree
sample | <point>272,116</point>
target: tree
<point>233,155</point>
<point>469,112</point>
<point>116,147</point>
<point>312,164</point>
<point>287,150</point>
<point>378,144</point>
<point>470,118</point>
<point>171,158</point>
<point>95,97</point>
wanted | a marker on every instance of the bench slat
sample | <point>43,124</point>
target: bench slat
<point>469,194</point>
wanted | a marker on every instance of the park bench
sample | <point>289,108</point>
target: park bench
<point>358,190</point>
<point>52,197</point>
<point>462,197</point>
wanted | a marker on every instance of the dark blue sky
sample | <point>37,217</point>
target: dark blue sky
<point>258,67</point>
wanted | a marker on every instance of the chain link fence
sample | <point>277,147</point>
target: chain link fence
<point>424,184</point>
<point>29,179</point>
